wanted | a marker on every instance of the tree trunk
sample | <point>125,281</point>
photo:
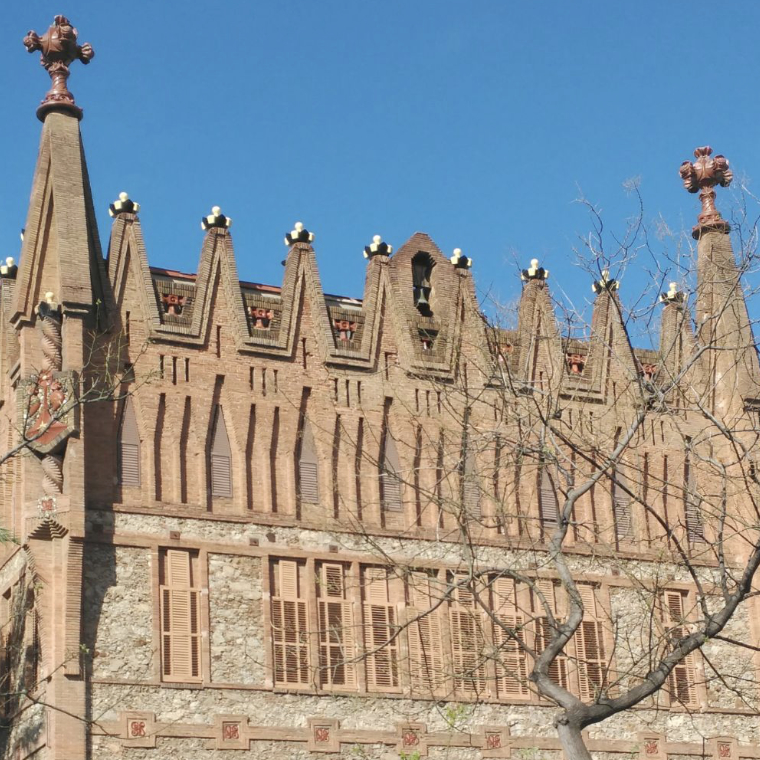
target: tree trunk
<point>572,741</point>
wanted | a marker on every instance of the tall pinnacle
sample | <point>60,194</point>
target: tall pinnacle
<point>59,50</point>
<point>701,177</point>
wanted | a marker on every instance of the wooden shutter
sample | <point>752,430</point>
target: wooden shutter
<point>544,630</point>
<point>221,457</point>
<point>336,628</point>
<point>180,618</point>
<point>382,656</point>
<point>471,487</point>
<point>390,481</point>
<point>621,507</point>
<point>467,641</point>
<point>682,680</point>
<point>425,635</point>
<point>547,497</point>
<point>511,667</point>
<point>129,447</point>
<point>589,647</point>
<point>695,528</point>
<point>308,483</point>
<point>290,631</point>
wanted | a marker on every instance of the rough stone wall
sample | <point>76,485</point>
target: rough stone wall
<point>237,639</point>
<point>118,616</point>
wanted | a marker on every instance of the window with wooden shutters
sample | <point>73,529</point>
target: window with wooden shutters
<point>220,457</point>
<point>547,498</point>
<point>129,447</point>
<point>508,633</point>
<point>336,628</point>
<point>290,630</point>
<point>425,634</point>
<point>467,640</point>
<point>380,628</point>
<point>621,506</point>
<point>471,486</point>
<point>553,595</point>
<point>308,483</point>
<point>390,483</point>
<point>692,503</point>
<point>682,679</point>
<point>180,616</point>
<point>589,647</point>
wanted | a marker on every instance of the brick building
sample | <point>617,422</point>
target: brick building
<point>251,534</point>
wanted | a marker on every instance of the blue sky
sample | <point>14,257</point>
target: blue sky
<point>478,122</point>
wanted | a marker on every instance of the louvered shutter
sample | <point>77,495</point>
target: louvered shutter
<point>681,681</point>
<point>511,667</point>
<point>129,447</point>
<point>390,480</point>
<point>589,647</point>
<point>425,636</point>
<point>379,626</point>
<point>289,627</point>
<point>694,525</point>
<point>221,458</point>
<point>621,507</point>
<point>545,632</point>
<point>471,488</point>
<point>547,498</point>
<point>336,629</point>
<point>308,484</point>
<point>180,634</point>
<point>467,641</point>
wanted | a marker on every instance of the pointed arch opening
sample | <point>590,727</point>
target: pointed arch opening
<point>308,466</point>
<point>220,457</point>
<point>129,447</point>
<point>422,281</point>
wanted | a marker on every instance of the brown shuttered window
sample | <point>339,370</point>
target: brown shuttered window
<point>467,641</point>
<point>471,487</point>
<point>621,506</point>
<point>290,631</point>
<point>308,484</point>
<point>508,633</point>
<point>553,595</point>
<point>682,679</point>
<point>220,457</point>
<point>390,483</point>
<point>380,646</point>
<point>180,616</point>
<point>589,647</point>
<point>129,447</point>
<point>547,498</point>
<point>336,628</point>
<point>425,634</point>
<point>694,524</point>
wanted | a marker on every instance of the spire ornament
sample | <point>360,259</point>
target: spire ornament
<point>59,50</point>
<point>673,295</point>
<point>605,283</point>
<point>534,272</point>
<point>701,177</point>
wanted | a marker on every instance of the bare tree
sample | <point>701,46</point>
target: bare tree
<point>603,499</point>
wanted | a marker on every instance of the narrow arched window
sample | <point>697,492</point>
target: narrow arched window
<point>308,479</point>
<point>422,276</point>
<point>220,457</point>
<point>129,447</point>
<point>390,478</point>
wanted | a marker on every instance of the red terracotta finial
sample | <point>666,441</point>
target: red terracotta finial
<point>701,177</point>
<point>59,50</point>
